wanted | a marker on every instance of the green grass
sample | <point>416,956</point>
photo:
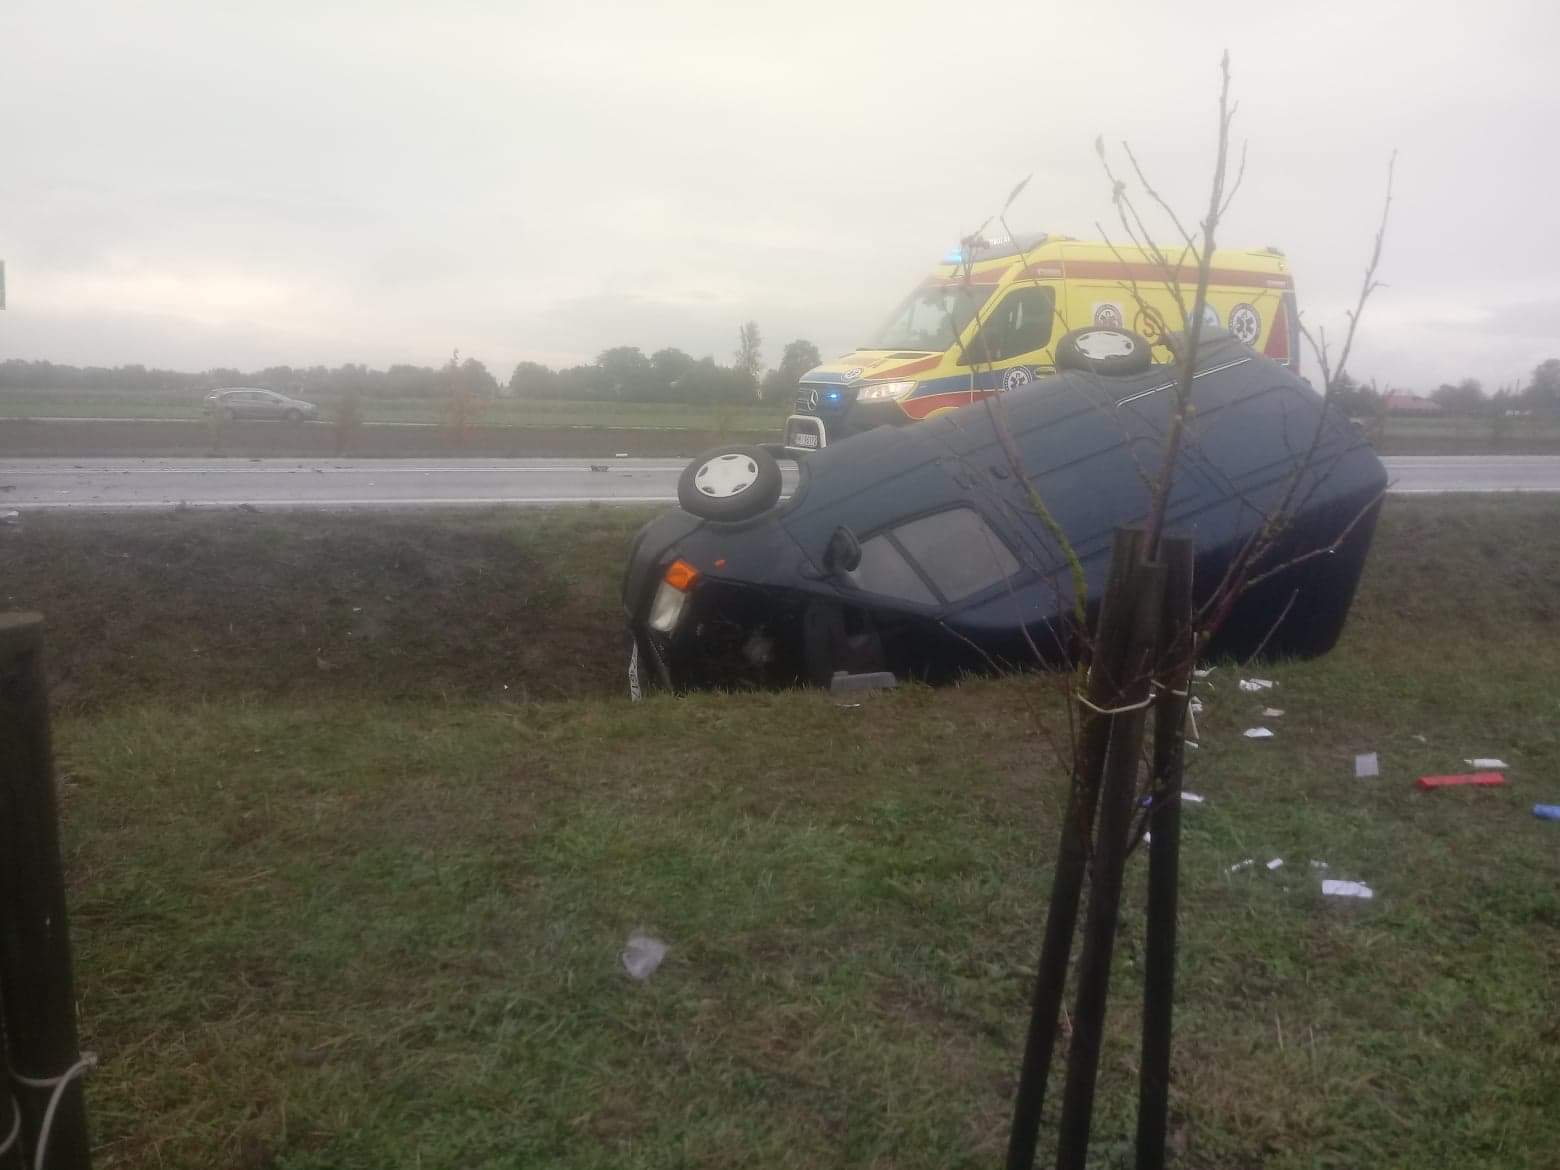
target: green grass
<point>363,932</point>
<point>20,403</point>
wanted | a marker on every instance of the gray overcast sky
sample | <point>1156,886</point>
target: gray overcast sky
<point>260,181</point>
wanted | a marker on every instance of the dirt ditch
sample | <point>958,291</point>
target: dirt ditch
<point>182,606</point>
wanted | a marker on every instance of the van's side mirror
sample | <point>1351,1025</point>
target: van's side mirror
<point>843,552</point>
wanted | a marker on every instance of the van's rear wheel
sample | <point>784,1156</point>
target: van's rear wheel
<point>1102,349</point>
<point>730,483</point>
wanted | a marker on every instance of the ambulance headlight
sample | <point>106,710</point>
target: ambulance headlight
<point>885,392</point>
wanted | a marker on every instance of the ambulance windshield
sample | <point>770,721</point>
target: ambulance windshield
<point>931,318</point>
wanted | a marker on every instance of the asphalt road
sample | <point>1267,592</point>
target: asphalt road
<point>111,484</point>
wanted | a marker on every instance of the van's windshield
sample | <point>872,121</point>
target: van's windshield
<point>931,317</point>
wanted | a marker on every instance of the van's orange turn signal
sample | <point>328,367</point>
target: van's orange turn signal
<point>681,575</point>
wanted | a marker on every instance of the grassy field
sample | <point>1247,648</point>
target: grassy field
<point>1393,436</point>
<point>500,412</point>
<point>1407,435</point>
<point>344,918</point>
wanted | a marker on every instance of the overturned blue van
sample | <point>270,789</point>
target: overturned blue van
<point>921,550</point>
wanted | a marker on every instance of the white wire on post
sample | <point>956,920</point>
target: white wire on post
<point>16,1128</point>
<point>58,1085</point>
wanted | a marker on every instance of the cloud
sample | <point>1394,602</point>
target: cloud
<point>294,182</point>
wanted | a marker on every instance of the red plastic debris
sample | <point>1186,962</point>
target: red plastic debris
<point>1479,779</point>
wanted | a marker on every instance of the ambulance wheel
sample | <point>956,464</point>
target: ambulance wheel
<point>1100,349</point>
<point>730,483</point>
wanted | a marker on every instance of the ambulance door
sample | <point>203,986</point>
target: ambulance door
<point>1013,346</point>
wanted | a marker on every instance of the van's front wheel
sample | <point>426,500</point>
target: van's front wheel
<point>730,483</point>
<point>1102,349</point>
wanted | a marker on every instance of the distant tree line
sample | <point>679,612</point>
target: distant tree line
<point>1541,395</point>
<point>621,374</point>
<point>400,381</point>
<point>626,374</point>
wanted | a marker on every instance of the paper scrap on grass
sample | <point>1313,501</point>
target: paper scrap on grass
<point>1347,889</point>
<point>1271,712</point>
<point>1253,685</point>
<point>642,954</point>
<point>1193,797</point>
<point>1467,780</point>
<point>1366,765</point>
<point>1484,763</point>
<point>1276,863</point>
<point>1240,865</point>
<point>1318,865</point>
<point>1257,733</point>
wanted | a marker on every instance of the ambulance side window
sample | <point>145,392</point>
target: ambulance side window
<point>1021,324</point>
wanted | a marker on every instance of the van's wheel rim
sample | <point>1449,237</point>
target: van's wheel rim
<point>1099,344</point>
<point>726,476</point>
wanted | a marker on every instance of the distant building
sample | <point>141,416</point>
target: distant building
<point>1402,402</point>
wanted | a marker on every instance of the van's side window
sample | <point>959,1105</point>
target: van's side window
<point>956,552</point>
<point>1021,324</point>
<point>883,569</point>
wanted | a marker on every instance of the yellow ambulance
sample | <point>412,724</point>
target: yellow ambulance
<point>994,316</point>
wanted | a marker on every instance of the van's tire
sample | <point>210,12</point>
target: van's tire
<point>730,483</point>
<point>1101,349</point>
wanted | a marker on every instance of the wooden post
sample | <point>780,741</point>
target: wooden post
<point>1113,627</point>
<point>1118,789</point>
<point>1176,658</point>
<point>36,987</point>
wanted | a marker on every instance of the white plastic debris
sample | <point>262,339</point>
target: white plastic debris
<point>1252,685</point>
<point>1240,865</point>
<point>1192,743</point>
<point>1195,706</point>
<point>1366,766</point>
<point>1484,762</point>
<point>1276,863</point>
<point>642,954</point>
<point>1257,733</point>
<point>1194,798</point>
<point>1318,865</point>
<point>876,680</point>
<point>1271,712</point>
<point>1347,889</point>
